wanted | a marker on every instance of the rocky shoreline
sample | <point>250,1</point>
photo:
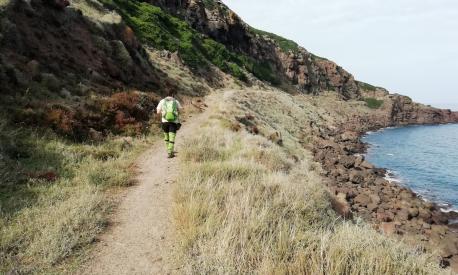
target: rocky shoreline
<point>361,189</point>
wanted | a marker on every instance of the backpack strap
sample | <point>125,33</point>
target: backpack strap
<point>175,106</point>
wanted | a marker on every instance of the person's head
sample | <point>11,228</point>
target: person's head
<point>170,93</point>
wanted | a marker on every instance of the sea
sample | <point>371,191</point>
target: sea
<point>423,158</point>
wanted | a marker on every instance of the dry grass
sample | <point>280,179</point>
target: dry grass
<point>4,3</point>
<point>244,206</point>
<point>95,11</point>
<point>43,223</point>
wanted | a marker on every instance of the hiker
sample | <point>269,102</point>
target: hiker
<point>169,109</point>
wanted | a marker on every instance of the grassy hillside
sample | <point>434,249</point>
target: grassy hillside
<point>53,199</point>
<point>159,29</point>
<point>249,199</point>
<point>285,44</point>
<point>249,205</point>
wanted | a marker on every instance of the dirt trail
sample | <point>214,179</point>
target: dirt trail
<point>141,238</point>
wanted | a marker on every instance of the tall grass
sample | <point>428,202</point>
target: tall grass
<point>243,205</point>
<point>42,221</point>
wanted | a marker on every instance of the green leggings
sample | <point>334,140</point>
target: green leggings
<point>170,133</point>
<point>170,141</point>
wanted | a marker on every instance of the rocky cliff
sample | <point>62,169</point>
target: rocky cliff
<point>284,61</point>
<point>62,60</point>
<point>405,111</point>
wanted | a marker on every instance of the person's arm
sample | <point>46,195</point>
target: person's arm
<point>179,107</point>
<point>159,107</point>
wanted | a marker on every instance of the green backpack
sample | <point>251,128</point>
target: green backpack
<point>171,113</point>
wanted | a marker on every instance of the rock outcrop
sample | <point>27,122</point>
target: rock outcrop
<point>43,35</point>
<point>290,65</point>
<point>405,111</point>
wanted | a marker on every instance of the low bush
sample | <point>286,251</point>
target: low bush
<point>285,44</point>
<point>373,103</point>
<point>366,86</point>
<point>126,113</point>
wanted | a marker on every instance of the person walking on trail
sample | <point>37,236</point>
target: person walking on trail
<point>169,108</point>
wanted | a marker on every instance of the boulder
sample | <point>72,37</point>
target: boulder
<point>347,161</point>
<point>341,206</point>
<point>366,165</point>
<point>356,176</point>
<point>95,135</point>
<point>439,217</point>
<point>426,226</point>
<point>388,228</point>
<point>380,181</point>
<point>454,263</point>
<point>358,160</point>
<point>375,199</point>
<point>350,193</point>
<point>385,216</point>
<point>413,212</point>
<point>424,215</point>
<point>276,137</point>
<point>403,215</point>
<point>362,199</point>
<point>405,195</point>
<point>372,207</point>
<point>438,229</point>
<point>449,247</point>
<point>349,136</point>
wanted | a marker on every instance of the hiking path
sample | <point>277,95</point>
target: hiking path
<point>140,239</point>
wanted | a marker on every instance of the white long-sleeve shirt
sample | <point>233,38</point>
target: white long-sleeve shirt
<point>161,110</point>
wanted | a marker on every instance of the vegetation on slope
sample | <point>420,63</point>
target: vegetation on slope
<point>52,199</point>
<point>245,205</point>
<point>163,31</point>
<point>373,103</point>
<point>159,29</point>
<point>366,86</point>
<point>285,44</point>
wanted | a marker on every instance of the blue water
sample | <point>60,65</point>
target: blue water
<point>424,158</point>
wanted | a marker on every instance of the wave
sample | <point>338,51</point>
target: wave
<point>447,208</point>
<point>391,177</point>
<point>443,207</point>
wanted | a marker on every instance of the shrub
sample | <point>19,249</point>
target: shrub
<point>210,4</point>
<point>263,70</point>
<point>236,71</point>
<point>10,151</point>
<point>367,86</point>
<point>285,44</point>
<point>373,103</point>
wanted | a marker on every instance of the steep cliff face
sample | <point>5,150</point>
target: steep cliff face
<point>39,38</point>
<point>284,61</point>
<point>405,111</point>
<point>60,69</point>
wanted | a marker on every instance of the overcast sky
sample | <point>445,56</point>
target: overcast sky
<point>406,46</point>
